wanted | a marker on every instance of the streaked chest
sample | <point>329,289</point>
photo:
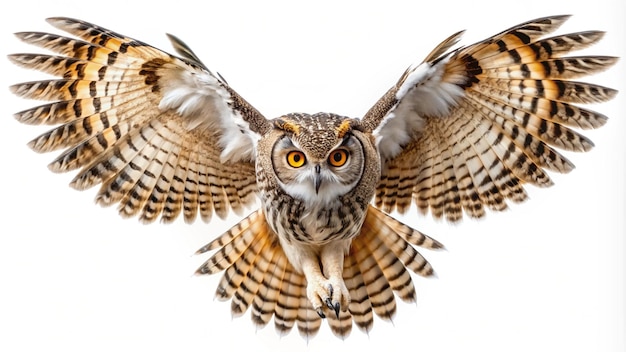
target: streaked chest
<point>316,224</point>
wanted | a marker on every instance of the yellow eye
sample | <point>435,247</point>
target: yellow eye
<point>338,157</point>
<point>296,158</point>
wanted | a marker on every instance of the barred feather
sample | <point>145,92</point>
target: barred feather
<point>113,130</point>
<point>516,108</point>
<point>257,274</point>
<point>460,133</point>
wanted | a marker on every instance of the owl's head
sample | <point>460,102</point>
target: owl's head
<point>320,157</point>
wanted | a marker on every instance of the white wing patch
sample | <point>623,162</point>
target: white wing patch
<point>422,93</point>
<point>201,98</point>
<point>425,92</point>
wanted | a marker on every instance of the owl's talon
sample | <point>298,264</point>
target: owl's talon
<point>320,313</point>
<point>329,303</point>
<point>333,306</point>
<point>334,296</point>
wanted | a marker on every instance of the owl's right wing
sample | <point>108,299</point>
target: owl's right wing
<point>160,134</point>
<point>467,128</point>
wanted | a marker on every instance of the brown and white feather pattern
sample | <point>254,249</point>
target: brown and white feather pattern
<point>462,131</point>
<point>141,123</point>
<point>258,276</point>
<point>507,103</point>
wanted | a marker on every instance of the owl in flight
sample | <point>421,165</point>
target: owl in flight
<point>461,132</point>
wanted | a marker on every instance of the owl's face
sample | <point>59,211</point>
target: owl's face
<point>317,158</point>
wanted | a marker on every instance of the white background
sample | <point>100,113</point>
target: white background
<point>547,275</point>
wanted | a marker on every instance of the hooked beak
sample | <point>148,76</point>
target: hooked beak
<point>318,179</point>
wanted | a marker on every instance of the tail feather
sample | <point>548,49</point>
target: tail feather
<point>239,271</point>
<point>391,265</point>
<point>360,305</point>
<point>340,325</point>
<point>377,286</point>
<point>308,321</point>
<point>245,293</point>
<point>401,238</point>
<point>264,303</point>
<point>233,243</point>
<point>258,275</point>
<point>287,305</point>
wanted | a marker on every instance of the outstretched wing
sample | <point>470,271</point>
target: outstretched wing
<point>160,134</point>
<point>468,127</point>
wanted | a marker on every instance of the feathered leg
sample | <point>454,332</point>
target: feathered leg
<point>375,269</point>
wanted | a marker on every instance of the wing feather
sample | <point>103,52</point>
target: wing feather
<point>161,134</point>
<point>469,127</point>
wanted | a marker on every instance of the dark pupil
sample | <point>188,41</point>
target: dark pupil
<point>296,158</point>
<point>337,157</point>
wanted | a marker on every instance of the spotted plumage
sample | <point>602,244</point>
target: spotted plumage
<point>459,133</point>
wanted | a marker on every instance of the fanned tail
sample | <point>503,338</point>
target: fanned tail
<point>377,264</point>
<point>257,274</point>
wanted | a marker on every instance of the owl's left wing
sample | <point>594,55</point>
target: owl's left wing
<point>161,134</point>
<point>468,127</point>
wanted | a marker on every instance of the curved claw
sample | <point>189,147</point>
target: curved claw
<point>320,313</point>
<point>336,309</point>
<point>329,303</point>
<point>333,295</point>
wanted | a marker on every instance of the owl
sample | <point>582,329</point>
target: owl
<point>460,133</point>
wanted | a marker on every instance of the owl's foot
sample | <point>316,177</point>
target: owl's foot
<point>332,293</point>
<point>324,276</point>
